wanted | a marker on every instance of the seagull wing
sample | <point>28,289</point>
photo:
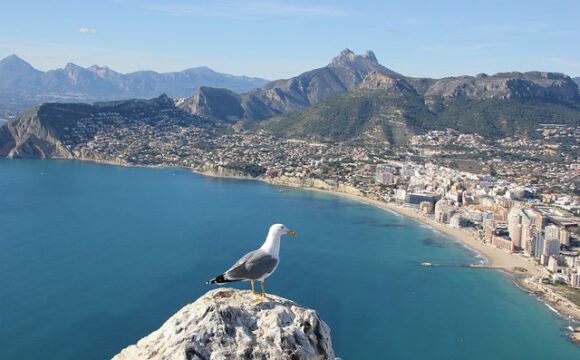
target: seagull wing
<point>252,266</point>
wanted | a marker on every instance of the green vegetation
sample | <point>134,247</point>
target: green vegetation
<point>356,114</point>
<point>246,168</point>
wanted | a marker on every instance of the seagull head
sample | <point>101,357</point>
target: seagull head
<point>278,230</point>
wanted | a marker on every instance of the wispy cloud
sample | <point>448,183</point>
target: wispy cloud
<point>247,9</point>
<point>86,30</point>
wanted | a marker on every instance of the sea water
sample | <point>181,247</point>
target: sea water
<point>94,257</point>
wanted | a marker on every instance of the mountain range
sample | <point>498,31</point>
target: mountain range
<point>352,99</point>
<point>21,85</point>
<point>354,96</point>
<point>345,72</point>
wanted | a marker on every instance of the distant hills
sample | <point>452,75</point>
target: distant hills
<point>21,85</point>
<point>577,80</point>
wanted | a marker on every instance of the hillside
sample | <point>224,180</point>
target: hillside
<point>386,108</point>
<point>21,85</point>
<point>345,72</point>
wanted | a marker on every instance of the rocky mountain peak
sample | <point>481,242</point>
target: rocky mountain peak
<point>370,56</point>
<point>348,56</point>
<point>103,71</point>
<point>230,324</point>
<point>15,64</point>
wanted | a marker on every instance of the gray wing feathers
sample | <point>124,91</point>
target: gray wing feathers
<point>252,266</point>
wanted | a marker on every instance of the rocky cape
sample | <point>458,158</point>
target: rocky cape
<point>233,324</point>
<point>52,130</point>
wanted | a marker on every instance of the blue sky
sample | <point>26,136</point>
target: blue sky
<point>282,38</point>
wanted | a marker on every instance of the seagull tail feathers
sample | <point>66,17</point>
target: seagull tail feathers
<point>220,279</point>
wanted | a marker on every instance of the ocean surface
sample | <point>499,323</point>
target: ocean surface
<point>94,257</point>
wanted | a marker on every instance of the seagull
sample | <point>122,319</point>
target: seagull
<point>259,264</point>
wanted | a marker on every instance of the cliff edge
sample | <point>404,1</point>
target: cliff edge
<point>231,324</point>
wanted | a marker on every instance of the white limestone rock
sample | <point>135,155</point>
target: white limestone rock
<point>232,324</point>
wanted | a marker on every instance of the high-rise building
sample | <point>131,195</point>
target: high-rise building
<point>515,226</point>
<point>552,232</point>
<point>551,247</point>
<point>564,237</point>
<point>539,244</point>
<point>575,280</point>
<point>489,230</point>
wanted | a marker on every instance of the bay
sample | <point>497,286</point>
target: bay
<point>94,257</point>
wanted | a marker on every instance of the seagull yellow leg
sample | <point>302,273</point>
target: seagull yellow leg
<point>263,290</point>
<point>253,291</point>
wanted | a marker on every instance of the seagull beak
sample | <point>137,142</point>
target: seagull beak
<point>292,233</point>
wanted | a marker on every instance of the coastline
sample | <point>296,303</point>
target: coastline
<point>492,257</point>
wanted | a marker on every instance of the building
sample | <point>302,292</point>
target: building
<point>502,243</point>
<point>426,207</point>
<point>443,210</point>
<point>489,231</point>
<point>551,248</point>
<point>552,264</point>
<point>418,198</point>
<point>539,244</point>
<point>564,237</point>
<point>456,221</point>
<point>552,232</point>
<point>515,226</point>
<point>575,280</point>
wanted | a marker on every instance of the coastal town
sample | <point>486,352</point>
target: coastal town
<point>518,214</point>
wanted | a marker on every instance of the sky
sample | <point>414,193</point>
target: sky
<point>282,38</point>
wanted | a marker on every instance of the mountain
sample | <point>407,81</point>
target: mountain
<point>22,86</point>
<point>577,80</point>
<point>53,129</point>
<point>345,72</point>
<point>389,108</point>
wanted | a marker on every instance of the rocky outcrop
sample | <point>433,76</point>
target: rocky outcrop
<point>219,103</point>
<point>345,72</point>
<point>233,324</point>
<point>504,86</point>
<point>387,83</point>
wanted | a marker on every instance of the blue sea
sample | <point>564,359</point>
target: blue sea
<point>94,257</point>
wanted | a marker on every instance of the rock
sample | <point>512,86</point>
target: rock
<point>231,324</point>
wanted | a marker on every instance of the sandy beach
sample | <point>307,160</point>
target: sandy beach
<point>494,257</point>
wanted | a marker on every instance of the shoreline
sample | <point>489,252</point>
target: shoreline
<point>492,257</point>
